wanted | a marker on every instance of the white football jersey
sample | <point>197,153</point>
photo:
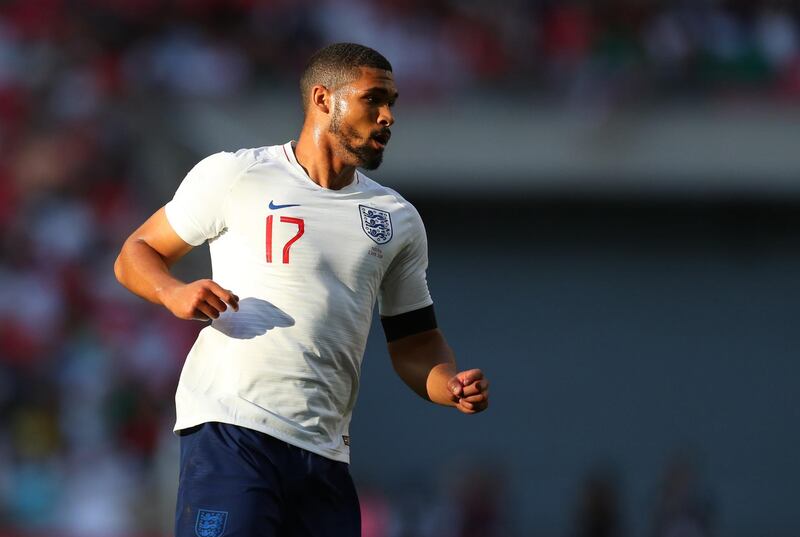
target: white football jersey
<point>308,264</point>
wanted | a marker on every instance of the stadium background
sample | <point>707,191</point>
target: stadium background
<point>611,194</point>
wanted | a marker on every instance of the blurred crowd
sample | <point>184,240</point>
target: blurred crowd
<point>87,371</point>
<point>81,55</point>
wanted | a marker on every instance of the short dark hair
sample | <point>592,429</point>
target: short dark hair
<point>338,64</point>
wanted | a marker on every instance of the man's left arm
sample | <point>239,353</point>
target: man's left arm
<point>426,363</point>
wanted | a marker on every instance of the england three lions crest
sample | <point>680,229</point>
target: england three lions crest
<point>377,224</point>
<point>210,523</point>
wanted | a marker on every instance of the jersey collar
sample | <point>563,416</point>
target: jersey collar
<point>288,151</point>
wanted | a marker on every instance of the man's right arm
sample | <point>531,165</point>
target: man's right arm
<point>143,267</point>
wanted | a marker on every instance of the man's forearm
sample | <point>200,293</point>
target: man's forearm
<point>425,363</point>
<point>144,271</point>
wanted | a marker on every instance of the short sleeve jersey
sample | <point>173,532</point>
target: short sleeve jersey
<point>308,265</point>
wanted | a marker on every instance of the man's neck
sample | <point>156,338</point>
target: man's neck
<point>321,163</point>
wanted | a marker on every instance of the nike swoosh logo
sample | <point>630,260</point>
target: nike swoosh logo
<point>272,206</point>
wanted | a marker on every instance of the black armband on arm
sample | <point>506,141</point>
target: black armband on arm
<point>409,323</point>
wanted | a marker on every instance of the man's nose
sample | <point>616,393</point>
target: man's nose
<point>385,117</point>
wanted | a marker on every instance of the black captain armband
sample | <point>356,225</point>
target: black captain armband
<point>409,323</point>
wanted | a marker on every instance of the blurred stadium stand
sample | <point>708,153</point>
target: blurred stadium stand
<point>612,194</point>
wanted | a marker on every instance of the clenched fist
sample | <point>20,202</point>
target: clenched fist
<point>470,391</point>
<point>200,300</point>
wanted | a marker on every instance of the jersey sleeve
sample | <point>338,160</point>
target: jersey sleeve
<point>405,286</point>
<point>197,211</point>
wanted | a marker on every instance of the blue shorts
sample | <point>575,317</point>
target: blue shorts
<point>238,482</point>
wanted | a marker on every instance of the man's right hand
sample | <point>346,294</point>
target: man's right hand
<point>199,300</point>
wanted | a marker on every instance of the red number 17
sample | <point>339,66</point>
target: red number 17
<point>288,220</point>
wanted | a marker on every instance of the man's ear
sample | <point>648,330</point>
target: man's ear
<point>321,99</point>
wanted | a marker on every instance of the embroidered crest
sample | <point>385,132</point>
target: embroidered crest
<point>210,523</point>
<point>377,224</point>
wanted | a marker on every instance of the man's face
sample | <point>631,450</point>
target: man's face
<point>361,116</point>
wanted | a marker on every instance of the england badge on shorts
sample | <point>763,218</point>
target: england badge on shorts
<point>210,523</point>
<point>376,224</point>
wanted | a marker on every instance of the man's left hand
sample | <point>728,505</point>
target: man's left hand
<point>470,391</point>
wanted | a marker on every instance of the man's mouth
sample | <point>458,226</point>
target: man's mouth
<point>382,138</point>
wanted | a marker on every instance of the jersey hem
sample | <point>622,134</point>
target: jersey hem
<point>328,454</point>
